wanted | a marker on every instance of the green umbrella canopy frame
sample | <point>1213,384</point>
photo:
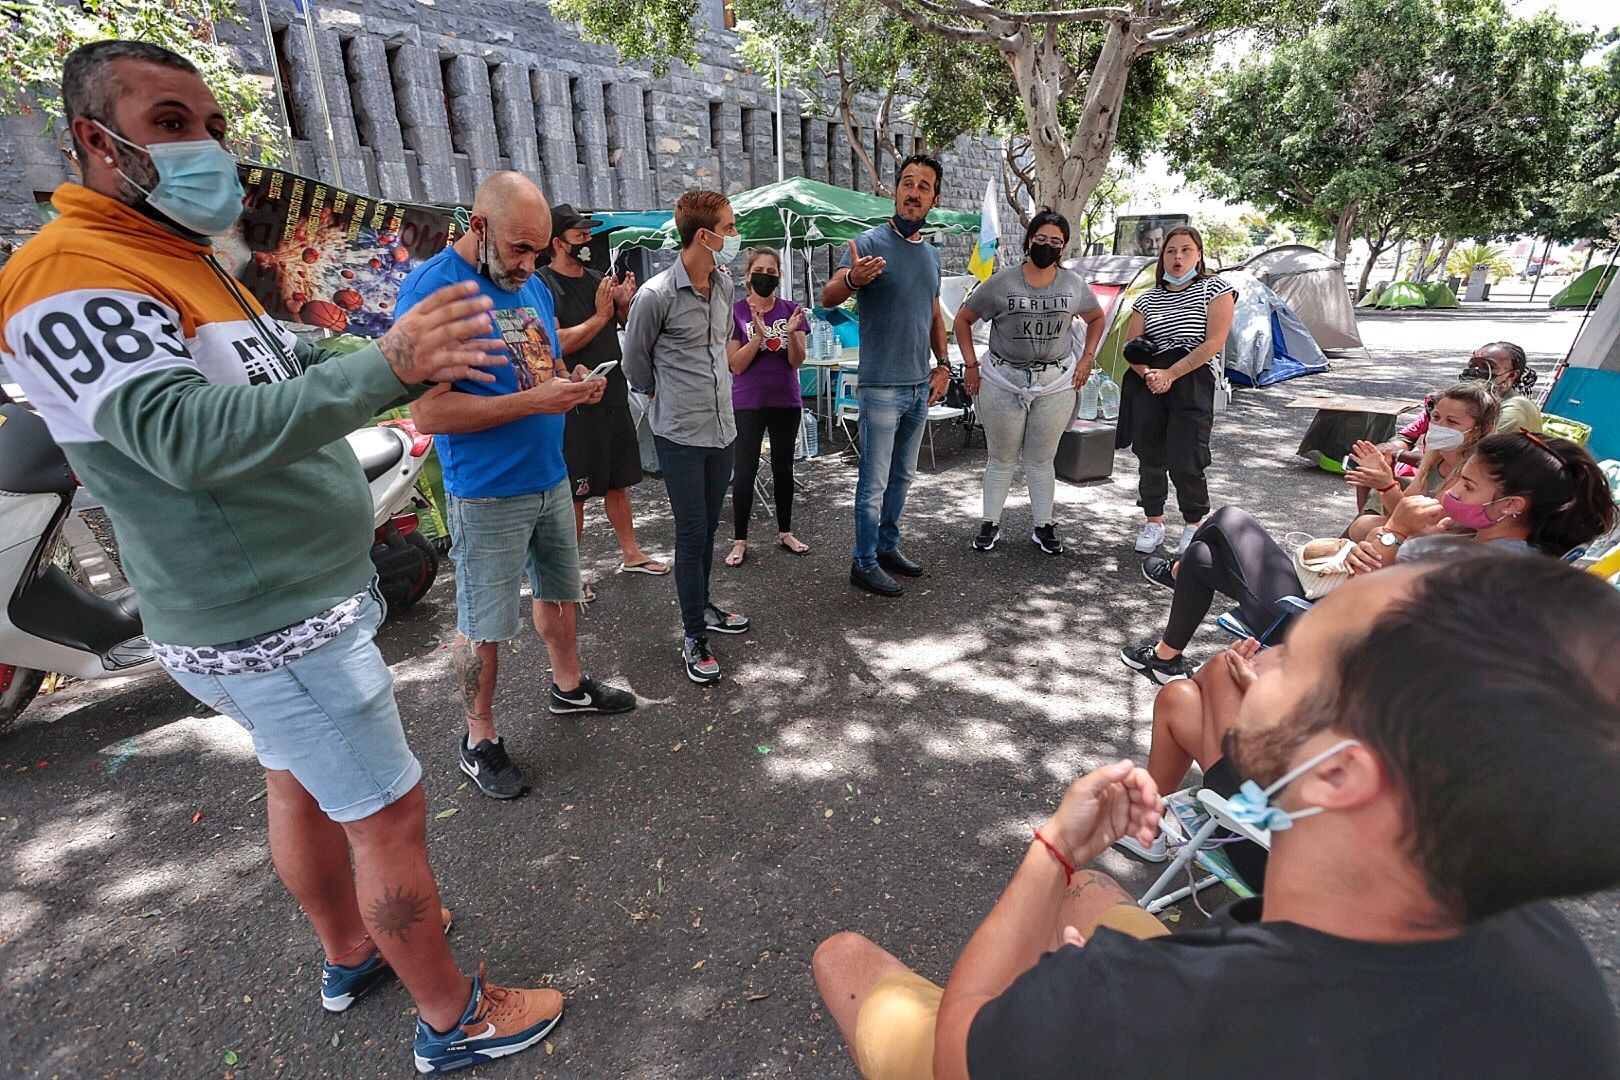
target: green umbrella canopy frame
<point>807,211</point>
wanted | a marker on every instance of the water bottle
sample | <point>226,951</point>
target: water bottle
<point>809,436</point>
<point>1089,397</point>
<point>1109,393</point>
<point>829,342</point>
<point>818,330</point>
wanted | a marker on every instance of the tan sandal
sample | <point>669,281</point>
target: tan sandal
<point>802,549</point>
<point>738,553</point>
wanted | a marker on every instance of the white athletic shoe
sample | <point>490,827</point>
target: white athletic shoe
<point>1151,536</point>
<point>1180,543</point>
<point>1155,853</point>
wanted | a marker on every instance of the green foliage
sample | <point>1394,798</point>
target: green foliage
<point>1584,200</point>
<point>656,31</point>
<point>1226,243</point>
<point>1465,259</point>
<point>36,37</point>
<point>1449,114</point>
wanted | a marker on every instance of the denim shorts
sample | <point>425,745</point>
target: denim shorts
<point>328,717</point>
<point>494,541</point>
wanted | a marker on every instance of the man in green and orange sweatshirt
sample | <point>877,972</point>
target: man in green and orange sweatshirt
<point>215,441</point>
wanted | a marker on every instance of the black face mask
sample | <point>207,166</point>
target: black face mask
<point>1043,255</point>
<point>906,227</point>
<point>763,284</point>
<point>582,252</point>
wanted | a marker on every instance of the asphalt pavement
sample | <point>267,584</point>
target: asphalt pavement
<point>865,764</point>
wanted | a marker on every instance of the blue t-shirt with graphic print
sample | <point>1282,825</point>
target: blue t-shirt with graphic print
<point>524,456</point>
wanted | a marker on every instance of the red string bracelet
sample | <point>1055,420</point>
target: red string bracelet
<point>1393,484</point>
<point>1068,870</point>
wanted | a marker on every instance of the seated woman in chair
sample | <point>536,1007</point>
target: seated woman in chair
<point>1522,492</point>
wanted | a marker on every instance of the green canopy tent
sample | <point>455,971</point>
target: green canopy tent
<point>801,213</point>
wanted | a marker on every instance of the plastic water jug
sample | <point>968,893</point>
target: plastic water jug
<point>1108,393</point>
<point>818,331</point>
<point>809,436</point>
<point>1089,397</point>
<point>830,347</point>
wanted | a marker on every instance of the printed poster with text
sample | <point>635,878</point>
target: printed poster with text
<point>316,254</point>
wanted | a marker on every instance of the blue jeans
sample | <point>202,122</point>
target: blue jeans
<point>328,717</point>
<point>696,478</point>
<point>495,542</point>
<point>893,420</point>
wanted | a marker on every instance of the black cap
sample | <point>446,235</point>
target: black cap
<point>565,217</point>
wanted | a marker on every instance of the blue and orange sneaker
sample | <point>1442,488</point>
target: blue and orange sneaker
<point>343,986</point>
<point>498,1022</point>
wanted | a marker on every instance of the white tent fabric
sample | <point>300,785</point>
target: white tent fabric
<point>1313,285</point>
<point>1252,346</point>
<point>1599,343</point>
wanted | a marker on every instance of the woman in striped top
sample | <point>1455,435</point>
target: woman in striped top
<point>1168,402</point>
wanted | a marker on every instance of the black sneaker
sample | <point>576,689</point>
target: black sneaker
<point>1143,658</point>
<point>491,769</point>
<point>989,533</point>
<point>724,622</point>
<point>591,696</point>
<point>1045,537</point>
<point>1159,571</point>
<point>701,666</point>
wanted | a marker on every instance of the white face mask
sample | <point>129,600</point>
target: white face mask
<point>1444,439</point>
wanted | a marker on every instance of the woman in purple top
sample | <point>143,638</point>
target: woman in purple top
<point>765,351</point>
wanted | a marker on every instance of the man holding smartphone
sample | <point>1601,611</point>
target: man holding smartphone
<point>501,445</point>
<point>599,442</point>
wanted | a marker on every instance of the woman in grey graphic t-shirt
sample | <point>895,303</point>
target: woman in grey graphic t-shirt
<point>1026,386</point>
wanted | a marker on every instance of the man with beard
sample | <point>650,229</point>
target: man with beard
<point>895,275</point>
<point>1429,779</point>
<point>501,445</point>
<point>215,441</point>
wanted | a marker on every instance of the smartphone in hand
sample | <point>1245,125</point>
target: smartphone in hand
<point>601,370</point>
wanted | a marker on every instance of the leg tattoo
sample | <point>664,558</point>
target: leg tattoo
<point>397,912</point>
<point>469,673</point>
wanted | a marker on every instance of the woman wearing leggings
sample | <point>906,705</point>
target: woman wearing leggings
<point>1232,554</point>
<point>1027,394</point>
<point>765,352</point>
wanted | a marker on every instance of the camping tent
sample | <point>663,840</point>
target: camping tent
<point>802,212</point>
<point>1109,275</point>
<point>1312,284</point>
<point>1268,342</point>
<point>1412,294</point>
<point>1586,289</point>
<point>1588,390</point>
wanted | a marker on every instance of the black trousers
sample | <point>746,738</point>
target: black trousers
<point>1232,554</point>
<point>783,424</point>
<point>696,479</point>
<point>1170,435</point>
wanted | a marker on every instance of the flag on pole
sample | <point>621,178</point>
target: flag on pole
<point>983,260</point>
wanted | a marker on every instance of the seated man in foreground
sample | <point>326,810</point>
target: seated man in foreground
<point>1404,929</point>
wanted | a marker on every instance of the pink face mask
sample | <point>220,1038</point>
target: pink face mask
<point>1468,515</point>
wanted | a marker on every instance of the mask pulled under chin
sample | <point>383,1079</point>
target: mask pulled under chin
<point>908,228</point>
<point>1181,279</point>
<point>1252,804</point>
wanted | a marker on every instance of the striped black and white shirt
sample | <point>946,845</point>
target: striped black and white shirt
<point>1180,318</point>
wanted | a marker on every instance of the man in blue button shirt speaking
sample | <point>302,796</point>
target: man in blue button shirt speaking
<point>895,274</point>
<point>501,444</point>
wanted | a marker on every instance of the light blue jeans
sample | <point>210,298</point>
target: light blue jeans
<point>328,717</point>
<point>1011,432</point>
<point>893,420</point>
<point>494,541</point>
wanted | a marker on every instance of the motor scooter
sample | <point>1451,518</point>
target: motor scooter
<point>53,622</point>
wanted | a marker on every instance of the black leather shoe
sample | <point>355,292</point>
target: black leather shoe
<point>896,563</point>
<point>874,581</point>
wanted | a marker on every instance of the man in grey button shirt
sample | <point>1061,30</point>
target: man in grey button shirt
<point>675,352</point>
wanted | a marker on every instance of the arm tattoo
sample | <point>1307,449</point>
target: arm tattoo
<point>470,672</point>
<point>397,912</point>
<point>398,349</point>
<point>1086,881</point>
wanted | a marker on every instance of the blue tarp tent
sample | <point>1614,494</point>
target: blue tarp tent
<point>1268,342</point>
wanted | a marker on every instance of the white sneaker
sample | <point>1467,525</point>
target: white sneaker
<point>1155,853</point>
<point>1151,536</point>
<point>1180,543</point>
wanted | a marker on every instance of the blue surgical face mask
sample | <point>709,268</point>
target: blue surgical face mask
<point>1181,279</point>
<point>197,186</point>
<point>1252,804</point>
<point>730,248</point>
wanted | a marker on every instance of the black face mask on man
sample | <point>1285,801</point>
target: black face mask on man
<point>906,227</point>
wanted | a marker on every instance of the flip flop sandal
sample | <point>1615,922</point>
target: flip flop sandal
<point>805,550</point>
<point>735,557</point>
<point>645,566</point>
<point>587,591</point>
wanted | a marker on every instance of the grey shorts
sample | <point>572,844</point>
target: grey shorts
<point>495,542</point>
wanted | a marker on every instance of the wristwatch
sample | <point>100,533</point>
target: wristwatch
<point>1390,538</point>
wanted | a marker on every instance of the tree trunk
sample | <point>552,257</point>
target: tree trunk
<point>1422,260</point>
<point>846,112</point>
<point>1067,170</point>
<point>1344,224</point>
<point>1444,257</point>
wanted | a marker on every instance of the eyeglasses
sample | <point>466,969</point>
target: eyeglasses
<point>1046,241</point>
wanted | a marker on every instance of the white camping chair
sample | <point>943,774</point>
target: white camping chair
<point>846,405</point>
<point>1199,814</point>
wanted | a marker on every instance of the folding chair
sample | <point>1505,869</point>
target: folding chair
<point>1289,608</point>
<point>846,405</point>
<point>1185,822</point>
<point>954,407</point>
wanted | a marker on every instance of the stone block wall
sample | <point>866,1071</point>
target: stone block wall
<point>425,100</point>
